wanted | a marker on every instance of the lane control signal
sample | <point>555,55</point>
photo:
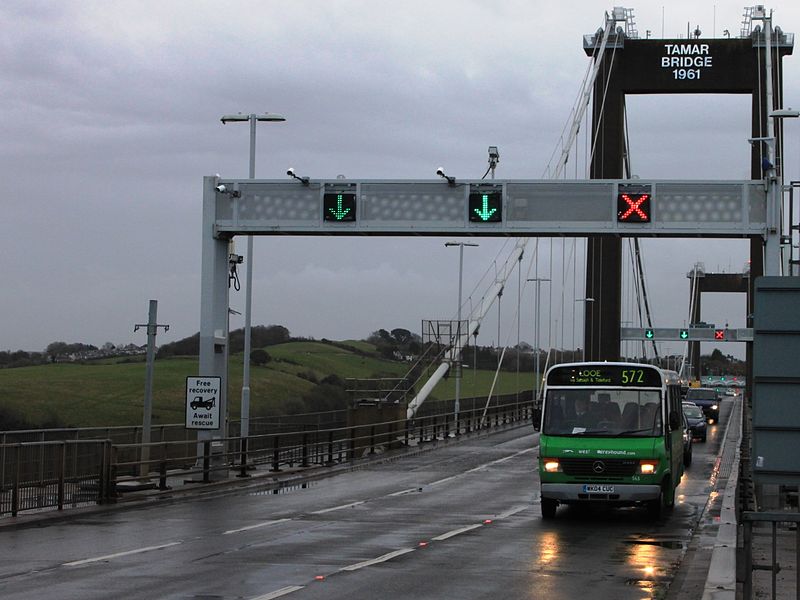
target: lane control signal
<point>486,206</point>
<point>339,206</point>
<point>633,203</point>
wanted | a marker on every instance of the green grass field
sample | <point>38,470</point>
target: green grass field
<point>111,393</point>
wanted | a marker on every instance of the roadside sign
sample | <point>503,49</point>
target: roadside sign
<point>202,402</point>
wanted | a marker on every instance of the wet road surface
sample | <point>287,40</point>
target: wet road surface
<point>462,521</point>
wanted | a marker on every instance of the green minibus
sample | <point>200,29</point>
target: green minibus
<point>610,433</point>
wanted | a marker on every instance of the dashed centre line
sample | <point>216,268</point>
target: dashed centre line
<point>341,507</point>
<point>278,593</point>
<point>454,532</point>
<point>380,559</point>
<point>256,526</point>
<point>86,561</point>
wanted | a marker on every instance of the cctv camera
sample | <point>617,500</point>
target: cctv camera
<point>440,171</point>
<point>221,189</point>
<point>290,172</point>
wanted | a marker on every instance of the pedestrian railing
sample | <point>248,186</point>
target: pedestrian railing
<point>47,475</point>
<point>60,474</point>
<point>750,518</point>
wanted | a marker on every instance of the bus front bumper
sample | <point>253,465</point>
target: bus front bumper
<point>578,492</point>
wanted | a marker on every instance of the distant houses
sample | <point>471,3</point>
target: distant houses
<point>107,351</point>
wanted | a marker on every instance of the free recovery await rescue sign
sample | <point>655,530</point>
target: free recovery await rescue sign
<point>202,402</point>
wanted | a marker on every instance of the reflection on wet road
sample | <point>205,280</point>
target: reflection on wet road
<point>462,521</point>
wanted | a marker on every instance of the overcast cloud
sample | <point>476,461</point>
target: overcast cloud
<point>111,119</point>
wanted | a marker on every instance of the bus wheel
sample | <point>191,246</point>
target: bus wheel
<point>657,507</point>
<point>549,508</point>
<point>669,494</point>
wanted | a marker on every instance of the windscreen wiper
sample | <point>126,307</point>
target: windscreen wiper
<point>629,431</point>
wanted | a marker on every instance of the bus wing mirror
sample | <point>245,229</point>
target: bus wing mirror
<point>537,419</point>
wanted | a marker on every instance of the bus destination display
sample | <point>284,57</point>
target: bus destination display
<point>612,375</point>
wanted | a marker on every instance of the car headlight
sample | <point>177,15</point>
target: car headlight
<point>714,406</point>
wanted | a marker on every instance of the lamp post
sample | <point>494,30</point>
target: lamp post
<point>457,354</point>
<point>583,358</point>
<point>245,406</point>
<point>538,281</point>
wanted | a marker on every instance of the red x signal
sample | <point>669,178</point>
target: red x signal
<point>719,334</point>
<point>633,208</point>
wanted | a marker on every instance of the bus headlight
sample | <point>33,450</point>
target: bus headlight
<point>648,467</point>
<point>551,465</point>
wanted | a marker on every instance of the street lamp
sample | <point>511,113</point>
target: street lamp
<point>539,281</point>
<point>457,404</point>
<point>245,406</point>
<point>587,300</point>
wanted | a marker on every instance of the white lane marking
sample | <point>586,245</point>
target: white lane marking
<point>327,510</point>
<point>440,481</point>
<point>449,534</point>
<point>86,561</point>
<point>500,460</point>
<point>402,492</point>
<point>481,467</point>
<point>512,511</point>
<point>375,561</point>
<point>256,526</point>
<point>278,593</point>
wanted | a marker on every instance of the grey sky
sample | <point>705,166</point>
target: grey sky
<point>111,119</point>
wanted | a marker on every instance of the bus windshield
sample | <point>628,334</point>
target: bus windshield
<point>593,412</point>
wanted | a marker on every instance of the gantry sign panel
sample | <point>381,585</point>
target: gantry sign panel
<point>512,207</point>
<point>691,334</point>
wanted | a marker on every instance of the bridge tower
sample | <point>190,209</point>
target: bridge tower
<point>631,65</point>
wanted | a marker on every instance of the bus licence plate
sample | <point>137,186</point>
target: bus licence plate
<point>596,488</point>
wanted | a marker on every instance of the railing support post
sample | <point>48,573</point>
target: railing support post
<point>243,454</point>
<point>60,466</point>
<point>206,461</point>
<point>276,454</point>
<point>304,462</point>
<point>15,483</point>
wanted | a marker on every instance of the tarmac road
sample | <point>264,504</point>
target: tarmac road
<point>462,522</point>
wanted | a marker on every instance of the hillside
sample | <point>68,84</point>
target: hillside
<point>111,393</point>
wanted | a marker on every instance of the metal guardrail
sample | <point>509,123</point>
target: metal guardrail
<point>60,474</point>
<point>748,519</point>
<point>42,475</point>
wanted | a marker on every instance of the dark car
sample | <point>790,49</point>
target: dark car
<point>707,399</point>
<point>696,420</point>
<point>687,442</point>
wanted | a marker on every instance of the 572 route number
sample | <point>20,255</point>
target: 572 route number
<point>632,376</point>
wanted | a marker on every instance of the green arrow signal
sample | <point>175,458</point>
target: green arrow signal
<point>339,213</point>
<point>484,213</point>
<point>684,334</point>
<point>649,334</point>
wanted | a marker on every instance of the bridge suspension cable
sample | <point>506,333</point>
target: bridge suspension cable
<point>514,259</point>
